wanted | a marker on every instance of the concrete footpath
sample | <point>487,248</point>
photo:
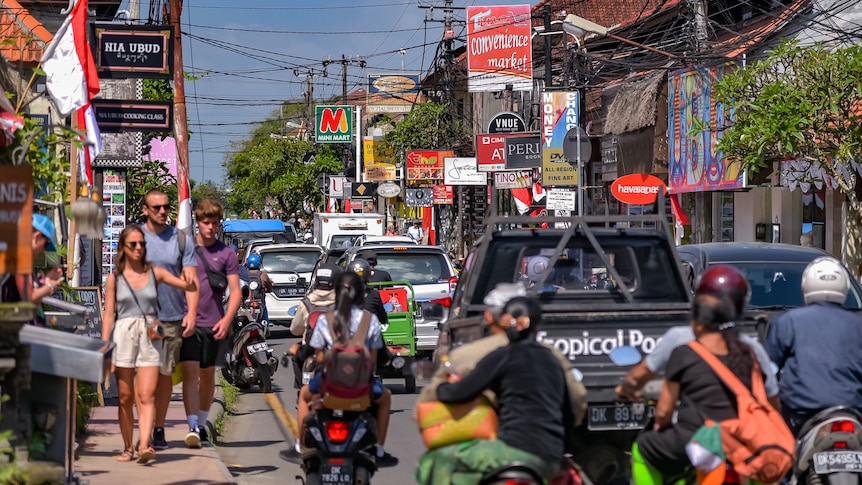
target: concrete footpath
<point>96,462</point>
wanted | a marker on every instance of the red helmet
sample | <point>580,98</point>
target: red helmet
<point>728,282</point>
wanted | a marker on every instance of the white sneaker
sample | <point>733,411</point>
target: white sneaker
<point>193,439</point>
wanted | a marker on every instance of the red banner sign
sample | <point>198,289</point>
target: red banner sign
<point>443,194</point>
<point>637,188</point>
<point>426,164</point>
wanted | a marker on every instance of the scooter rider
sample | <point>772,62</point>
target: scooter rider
<point>255,273</point>
<point>818,347</point>
<point>724,281</point>
<point>373,302</point>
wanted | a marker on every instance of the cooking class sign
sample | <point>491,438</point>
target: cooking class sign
<point>499,51</point>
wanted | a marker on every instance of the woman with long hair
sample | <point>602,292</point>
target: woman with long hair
<point>131,303</point>
<point>720,298</point>
<point>347,316</point>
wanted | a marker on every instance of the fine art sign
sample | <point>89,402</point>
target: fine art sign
<point>137,51</point>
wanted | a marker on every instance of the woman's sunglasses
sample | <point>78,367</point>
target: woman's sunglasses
<point>134,244</point>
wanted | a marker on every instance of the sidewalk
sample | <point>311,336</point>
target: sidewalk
<point>177,465</point>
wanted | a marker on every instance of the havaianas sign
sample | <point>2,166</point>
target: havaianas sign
<point>333,124</point>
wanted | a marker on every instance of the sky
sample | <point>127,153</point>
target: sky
<point>250,52</point>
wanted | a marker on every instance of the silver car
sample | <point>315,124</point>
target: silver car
<point>289,267</point>
<point>432,275</point>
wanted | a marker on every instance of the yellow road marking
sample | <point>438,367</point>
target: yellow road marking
<point>283,415</point>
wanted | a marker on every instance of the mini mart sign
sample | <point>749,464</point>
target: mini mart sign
<point>333,124</point>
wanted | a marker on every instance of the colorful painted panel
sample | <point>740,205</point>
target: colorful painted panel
<point>694,163</point>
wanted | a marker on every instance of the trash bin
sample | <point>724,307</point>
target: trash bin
<point>58,360</point>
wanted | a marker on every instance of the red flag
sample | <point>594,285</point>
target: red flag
<point>677,209</point>
<point>184,212</point>
<point>92,140</point>
<point>72,80</point>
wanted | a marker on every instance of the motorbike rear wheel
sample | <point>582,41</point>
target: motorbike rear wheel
<point>313,478</point>
<point>265,378</point>
<point>362,476</point>
<point>410,384</point>
<point>227,375</point>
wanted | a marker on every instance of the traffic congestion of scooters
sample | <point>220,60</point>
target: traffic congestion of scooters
<point>712,402</point>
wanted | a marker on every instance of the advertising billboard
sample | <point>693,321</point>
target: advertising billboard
<point>392,93</point>
<point>499,48</point>
<point>333,124</point>
<point>559,114</point>
<point>426,164</point>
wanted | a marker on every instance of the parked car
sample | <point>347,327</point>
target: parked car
<point>430,271</point>
<point>365,240</point>
<point>289,267</point>
<point>774,271</point>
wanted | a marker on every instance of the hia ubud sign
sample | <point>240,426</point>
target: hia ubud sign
<point>133,51</point>
<point>637,188</point>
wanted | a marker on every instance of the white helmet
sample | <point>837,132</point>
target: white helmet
<point>825,279</point>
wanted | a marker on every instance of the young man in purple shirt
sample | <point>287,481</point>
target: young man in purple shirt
<point>205,350</point>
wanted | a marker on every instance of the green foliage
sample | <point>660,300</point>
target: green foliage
<point>46,153</point>
<point>10,472</point>
<point>800,103</point>
<point>88,398</point>
<point>429,126</point>
<point>151,175</point>
<point>208,190</point>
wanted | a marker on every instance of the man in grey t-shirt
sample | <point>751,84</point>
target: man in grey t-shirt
<point>177,309</point>
<point>655,362</point>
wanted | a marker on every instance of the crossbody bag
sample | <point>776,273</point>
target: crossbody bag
<point>154,328</point>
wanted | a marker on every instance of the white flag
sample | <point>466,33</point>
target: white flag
<point>72,80</point>
<point>92,140</point>
<point>184,212</point>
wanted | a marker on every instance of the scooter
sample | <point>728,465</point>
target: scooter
<point>250,360</point>
<point>829,448</point>
<point>339,447</point>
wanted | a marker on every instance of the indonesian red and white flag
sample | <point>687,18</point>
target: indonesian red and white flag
<point>184,212</point>
<point>92,141</point>
<point>72,80</point>
<point>331,205</point>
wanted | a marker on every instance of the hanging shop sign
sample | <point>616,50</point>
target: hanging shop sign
<point>443,194</point>
<point>499,48</point>
<point>115,115</point>
<point>637,188</point>
<point>133,51</point>
<point>363,190</point>
<point>422,197</point>
<point>506,122</point>
<point>389,93</point>
<point>380,173</point>
<point>426,164</point>
<point>114,202</point>
<point>522,152</point>
<point>515,179</point>
<point>16,219</point>
<point>388,190</point>
<point>333,124</point>
<point>462,171</point>
<point>559,115</point>
<point>561,199</point>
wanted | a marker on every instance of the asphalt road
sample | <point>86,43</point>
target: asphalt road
<point>254,434</point>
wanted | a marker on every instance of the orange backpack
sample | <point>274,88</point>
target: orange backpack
<point>757,442</point>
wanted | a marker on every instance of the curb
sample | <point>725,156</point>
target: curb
<point>216,414</point>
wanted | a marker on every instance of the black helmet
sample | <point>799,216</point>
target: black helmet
<point>361,268</point>
<point>326,275</point>
<point>727,282</point>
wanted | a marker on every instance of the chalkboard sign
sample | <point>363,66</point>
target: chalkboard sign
<point>90,297</point>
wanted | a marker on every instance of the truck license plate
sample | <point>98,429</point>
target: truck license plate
<point>838,461</point>
<point>258,347</point>
<point>619,416</point>
<point>336,474</point>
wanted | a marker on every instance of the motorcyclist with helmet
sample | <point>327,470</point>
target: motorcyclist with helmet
<point>693,393</point>
<point>373,302</point>
<point>818,347</point>
<point>724,281</point>
<point>264,284</point>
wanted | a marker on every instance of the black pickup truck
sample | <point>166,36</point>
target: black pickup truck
<point>600,287</point>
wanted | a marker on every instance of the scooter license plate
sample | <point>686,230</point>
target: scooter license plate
<point>258,347</point>
<point>838,461</point>
<point>337,473</point>
<point>619,416</point>
<point>306,377</point>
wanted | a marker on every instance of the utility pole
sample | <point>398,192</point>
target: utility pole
<point>180,120</point>
<point>309,96</point>
<point>702,224</point>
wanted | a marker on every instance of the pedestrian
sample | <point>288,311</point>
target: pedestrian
<point>416,232</point>
<point>217,270</point>
<point>174,251</point>
<point>390,230</point>
<point>17,288</point>
<point>130,291</point>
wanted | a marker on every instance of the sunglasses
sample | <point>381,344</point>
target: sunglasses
<point>158,208</point>
<point>134,244</point>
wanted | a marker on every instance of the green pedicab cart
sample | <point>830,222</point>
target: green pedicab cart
<point>399,335</point>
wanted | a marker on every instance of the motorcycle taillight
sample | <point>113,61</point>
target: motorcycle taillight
<point>254,333</point>
<point>843,427</point>
<point>840,445</point>
<point>336,431</point>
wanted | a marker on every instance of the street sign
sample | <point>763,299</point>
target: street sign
<point>637,188</point>
<point>506,122</point>
<point>115,115</point>
<point>462,171</point>
<point>333,124</point>
<point>570,146</point>
<point>309,158</point>
<point>133,51</point>
<point>388,190</point>
<point>561,199</point>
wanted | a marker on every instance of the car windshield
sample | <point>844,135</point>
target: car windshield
<point>341,241</point>
<point>643,264</point>
<point>416,268</point>
<point>281,262</point>
<point>779,284</point>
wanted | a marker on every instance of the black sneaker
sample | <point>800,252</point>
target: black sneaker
<point>158,442</point>
<point>205,438</point>
<point>386,460</point>
<point>291,455</point>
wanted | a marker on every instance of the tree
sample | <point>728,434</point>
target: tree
<point>802,104</point>
<point>431,126</point>
<point>208,190</point>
